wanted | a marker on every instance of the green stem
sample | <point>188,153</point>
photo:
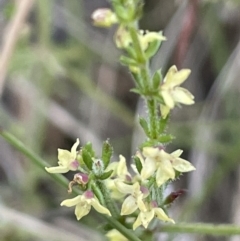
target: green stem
<point>159,194</point>
<point>108,200</point>
<point>202,228</point>
<point>98,193</point>
<point>152,110</point>
<point>137,46</point>
<point>38,161</point>
<point>144,73</point>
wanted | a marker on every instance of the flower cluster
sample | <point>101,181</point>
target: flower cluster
<point>106,185</point>
<point>148,43</point>
<point>153,168</point>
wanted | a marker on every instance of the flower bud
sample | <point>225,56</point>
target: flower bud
<point>81,178</point>
<point>122,38</point>
<point>104,17</point>
<point>173,196</point>
<point>98,167</point>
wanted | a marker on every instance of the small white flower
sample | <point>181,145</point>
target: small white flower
<point>135,199</point>
<point>83,204</point>
<point>172,93</point>
<point>67,160</point>
<point>164,164</point>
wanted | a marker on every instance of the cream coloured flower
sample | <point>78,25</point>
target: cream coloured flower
<point>119,169</point>
<point>135,199</point>
<point>146,37</point>
<point>164,164</point>
<point>120,172</point>
<point>83,204</point>
<point>104,17</point>
<point>172,93</point>
<point>115,235</point>
<point>144,218</point>
<point>67,160</point>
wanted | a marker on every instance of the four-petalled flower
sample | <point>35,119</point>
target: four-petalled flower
<point>144,218</point>
<point>164,164</point>
<point>83,204</point>
<point>67,160</point>
<point>172,93</point>
<point>135,199</point>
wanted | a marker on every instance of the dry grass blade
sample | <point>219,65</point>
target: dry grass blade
<point>11,37</point>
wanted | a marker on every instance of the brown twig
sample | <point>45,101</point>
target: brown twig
<point>11,36</point>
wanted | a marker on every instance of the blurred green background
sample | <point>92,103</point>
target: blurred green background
<point>61,80</point>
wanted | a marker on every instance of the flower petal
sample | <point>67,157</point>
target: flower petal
<point>169,76</point>
<point>122,187</point>
<point>177,153</point>
<point>82,210</point>
<point>74,148</point>
<point>72,202</point>
<point>141,204</point>
<point>129,206</point>
<point>182,96</point>
<point>162,215</point>
<point>150,151</point>
<point>99,208</point>
<point>65,157</point>
<point>164,111</point>
<point>182,165</point>
<point>148,168</point>
<point>115,235</point>
<point>58,169</point>
<point>144,218</point>
<point>138,222</point>
<point>168,98</point>
<point>180,76</point>
<point>122,167</point>
<point>161,176</point>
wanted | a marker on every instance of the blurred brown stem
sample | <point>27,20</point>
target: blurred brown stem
<point>11,36</point>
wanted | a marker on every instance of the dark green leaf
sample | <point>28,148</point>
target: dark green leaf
<point>163,124</point>
<point>135,90</point>
<point>144,125</point>
<point>87,159</point>
<point>152,48</point>
<point>165,138</point>
<point>89,149</point>
<point>107,151</point>
<point>124,60</point>
<point>106,175</point>
<point>138,164</point>
<point>156,80</point>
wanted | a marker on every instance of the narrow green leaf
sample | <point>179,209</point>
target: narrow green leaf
<point>87,158</point>
<point>105,175</point>
<point>157,79</point>
<point>89,149</point>
<point>107,151</point>
<point>124,60</point>
<point>144,125</point>
<point>163,124</point>
<point>152,48</point>
<point>138,80</point>
<point>165,138</point>
<point>138,164</point>
<point>136,91</point>
<point>131,52</point>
